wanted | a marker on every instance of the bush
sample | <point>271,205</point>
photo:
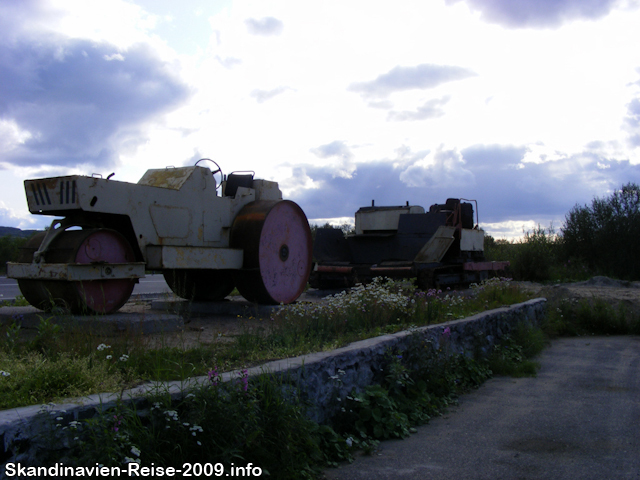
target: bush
<point>589,317</point>
<point>535,257</point>
<point>605,234</point>
<point>9,246</point>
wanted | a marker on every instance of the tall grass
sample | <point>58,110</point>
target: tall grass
<point>571,317</point>
<point>121,362</point>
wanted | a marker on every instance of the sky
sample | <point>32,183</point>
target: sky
<point>527,106</point>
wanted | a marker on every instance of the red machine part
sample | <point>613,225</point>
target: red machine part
<point>102,246</point>
<point>277,245</point>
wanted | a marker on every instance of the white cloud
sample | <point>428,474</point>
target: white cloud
<point>442,168</point>
<point>264,26</point>
<point>401,78</point>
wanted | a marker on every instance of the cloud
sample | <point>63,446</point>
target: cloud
<point>539,13</point>
<point>440,168</point>
<point>228,62</point>
<point>430,109</point>
<point>420,77</point>
<point>494,175</point>
<point>342,156</point>
<point>262,96</point>
<point>265,26</point>
<point>73,101</point>
<point>632,122</point>
<point>336,148</point>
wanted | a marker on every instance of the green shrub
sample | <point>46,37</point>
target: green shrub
<point>590,316</point>
<point>604,235</point>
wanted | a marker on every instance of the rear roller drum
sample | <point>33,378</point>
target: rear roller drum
<point>276,241</point>
<point>200,285</point>
<point>84,297</point>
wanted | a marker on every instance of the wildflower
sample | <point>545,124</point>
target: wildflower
<point>214,378</point>
<point>109,357</point>
<point>4,374</point>
<point>349,441</point>
<point>102,346</point>
<point>447,332</point>
<point>171,415</point>
<point>135,450</point>
<point>244,379</point>
<point>124,358</point>
<point>116,423</point>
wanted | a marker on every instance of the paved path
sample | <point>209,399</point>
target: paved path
<point>578,419</point>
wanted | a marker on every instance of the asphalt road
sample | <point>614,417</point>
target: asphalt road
<point>150,284</point>
<point>578,419</point>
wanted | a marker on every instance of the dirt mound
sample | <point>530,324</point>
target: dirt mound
<point>600,281</point>
<point>614,292</point>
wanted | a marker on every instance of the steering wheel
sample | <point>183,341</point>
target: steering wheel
<point>219,170</point>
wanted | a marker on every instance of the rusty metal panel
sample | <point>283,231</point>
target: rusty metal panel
<point>437,246</point>
<point>485,266</point>
<point>52,193</point>
<point>167,256</point>
<point>472,240</point>
<point>170,221</point>
<point>376,219</point>
<point>172,178</point>
<point>75,272</point>
<point>267,190</point>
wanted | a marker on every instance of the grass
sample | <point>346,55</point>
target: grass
<point>261,424</point>
<point>514,355</point>
<point>571,317</point>
<point>378,308</point>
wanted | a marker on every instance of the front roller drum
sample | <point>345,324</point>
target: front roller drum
<point>101,246</point>
<point>276,241</point>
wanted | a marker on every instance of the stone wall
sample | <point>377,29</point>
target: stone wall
<point>319,377</point>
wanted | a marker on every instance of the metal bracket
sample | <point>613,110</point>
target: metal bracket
<point>56,228</point>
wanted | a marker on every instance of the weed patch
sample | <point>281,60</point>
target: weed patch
<point>379,308</point>
<point>571,317</point>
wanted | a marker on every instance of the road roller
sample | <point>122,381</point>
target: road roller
<point>439,248</point>
<point>208,233</point>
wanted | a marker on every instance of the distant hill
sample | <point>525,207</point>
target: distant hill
<point>16,232</point>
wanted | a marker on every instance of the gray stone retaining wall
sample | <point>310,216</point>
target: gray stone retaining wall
<point>320,377</point>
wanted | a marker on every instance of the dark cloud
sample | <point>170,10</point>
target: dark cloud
<point>431,109</point>
<point>264,95</point>
<point>409,78</point>
<point>264,26</point>
<point>336,148</point>
<point>539,13</point>
<point>81,101</point>
<point>494,175</point>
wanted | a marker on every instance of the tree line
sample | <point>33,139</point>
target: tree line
<point>596,239</point>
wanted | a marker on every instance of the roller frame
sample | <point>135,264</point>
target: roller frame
<point>174,219</point>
